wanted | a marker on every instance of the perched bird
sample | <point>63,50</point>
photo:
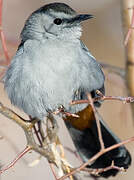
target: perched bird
<point>51,68</point>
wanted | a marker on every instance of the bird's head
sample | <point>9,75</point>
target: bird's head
<point>54,20</point>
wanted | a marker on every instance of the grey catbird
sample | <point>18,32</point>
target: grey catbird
<point>51,68</point>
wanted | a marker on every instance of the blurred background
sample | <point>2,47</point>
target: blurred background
<point>104,38</point>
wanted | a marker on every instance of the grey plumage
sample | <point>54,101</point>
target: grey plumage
<point>51,68</point>
<point>51,64</point>
<point>56,7</point>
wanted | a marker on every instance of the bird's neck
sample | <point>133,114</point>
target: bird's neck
<point>72,35</point>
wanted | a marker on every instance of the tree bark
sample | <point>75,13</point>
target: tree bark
<point>128,28</point>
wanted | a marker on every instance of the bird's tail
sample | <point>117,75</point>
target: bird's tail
<point>87,144</point>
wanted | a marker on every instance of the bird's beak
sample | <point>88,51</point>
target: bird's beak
<point>80,17</point>
<point>83,17</point>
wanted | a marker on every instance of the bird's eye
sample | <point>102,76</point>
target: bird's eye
<point>57,21</point>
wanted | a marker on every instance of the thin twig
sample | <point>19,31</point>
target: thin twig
<point>27,126</point>
<point>119,98</point>
<point>27,149</point>
<point>40,129</point>
<point>97,156</point>
<point>62,154</point>
<point>35,130</point>
<point>101,170</point>
<point>1,3</point>
<point>97,121</point>
<point>16,118</point>
<point>62,111</point>
<point>130,29</point>
<point>3,36</point>
<point>37,135</point>
<point>102,97</point>
<point>3,40</point>
<point>53,171</point>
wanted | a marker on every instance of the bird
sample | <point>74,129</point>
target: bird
<point>53,67</point>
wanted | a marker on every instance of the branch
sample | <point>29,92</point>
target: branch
<point>27,126</point>
<point>53,171</point>
<point>101,170</point>
<point>48,143</point>
<point>97,156</point>
<point>130,28</point>
<point>119,98</point>
<point>16,118</point>
<point>103,149</point>
<point>97,118</point>
<point>3,36</point>
<point>62,111</point>
<point>104,98</point>
<point>27,149</point>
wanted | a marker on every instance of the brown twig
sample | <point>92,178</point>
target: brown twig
<point>62,111</point>
<point>27,149</point>
<point>103,149</point>
<point>40,130</point>
<point>104,98</point>
<point>3,36</point>
<point>35,130</point>
<point>63,162</point>
<point>49,145</point>
<point>119,98</point>
<point>37,135</point>
<point>127,8</point>
<point>53,171</point>
<point>131,28</point>
<point>51,154</point>
<point>97,156</point>
<point>97,121</point>
<point>27,126</point>
<point>101,170</point>
<point>16,118</point>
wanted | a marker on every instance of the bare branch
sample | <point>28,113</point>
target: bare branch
<point>97,156</point>
<point>101,170</point>
<point>130,28</point>
<point>16,118</point>
<point>127,13</point>
<point>27,149</point>
<point>119,98</point>
<point>97,118</point>
<point>62,110</point>
<point>53,171</point>
<point>3,36</point>
<point>27,126</point>
<point>104,98</point>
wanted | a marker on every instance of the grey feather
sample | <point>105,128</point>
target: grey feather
<point>51,66</point>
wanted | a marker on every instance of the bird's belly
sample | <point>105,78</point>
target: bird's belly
<point>44,92</point>
<point>49,78</point>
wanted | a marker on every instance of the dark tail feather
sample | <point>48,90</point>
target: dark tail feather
<point>87,145</point>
